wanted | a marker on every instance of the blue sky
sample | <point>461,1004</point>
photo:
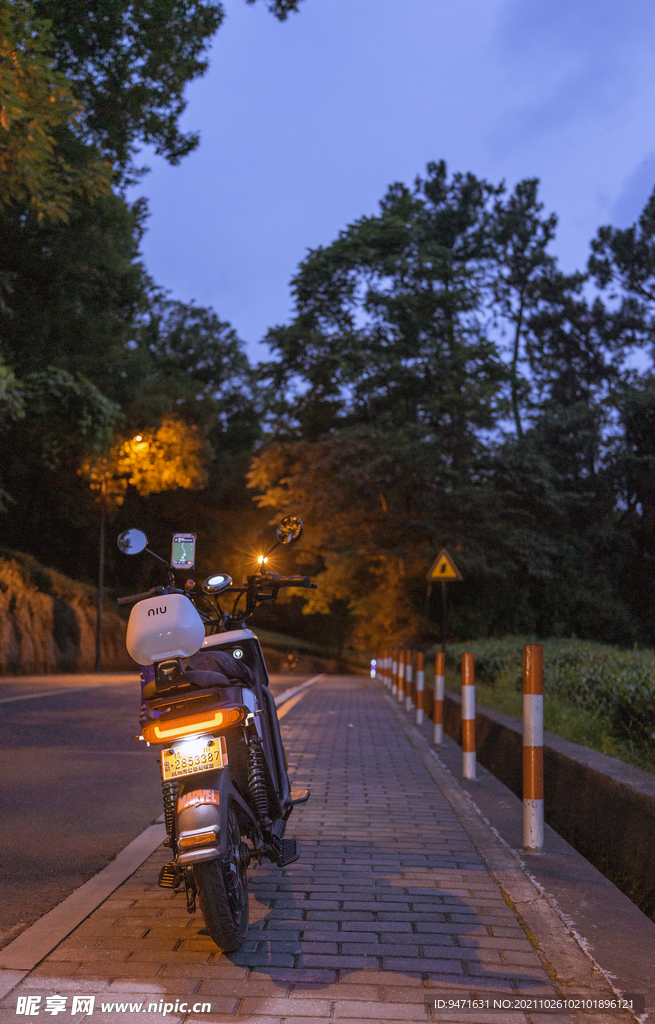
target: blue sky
<point>304,124</point>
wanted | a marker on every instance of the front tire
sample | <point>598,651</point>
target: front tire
<point>222,886</point>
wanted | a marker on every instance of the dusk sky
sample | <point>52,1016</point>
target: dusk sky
<point>304,125</point>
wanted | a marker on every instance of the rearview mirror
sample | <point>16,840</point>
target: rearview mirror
<point>132,542</point>
<point>289,530</point>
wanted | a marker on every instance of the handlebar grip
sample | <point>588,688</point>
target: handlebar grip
<point>133,598</point>
<point>295,581</point>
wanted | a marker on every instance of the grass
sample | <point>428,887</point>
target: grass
<point>584,689</point>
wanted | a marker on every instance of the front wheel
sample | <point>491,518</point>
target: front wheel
<point>222,886</point>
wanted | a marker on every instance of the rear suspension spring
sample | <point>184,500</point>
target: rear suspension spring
<point>257,777</point>
<point>169,793</point>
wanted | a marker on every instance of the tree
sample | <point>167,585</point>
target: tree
<point>185,362</point>
<point>389,326</point>
<point>184,359</point>
<point>128,64</point>
<point>522,263</point>
<point>12,408</point>
<point>623,259</point>
<point>65,419</point>
<point>12,402</point>
<point>77,289</point>
<point>389,379</point>
<point>38,114</point>
<point>172,455</point>
<point>634,473</point>
<point>391,404</point>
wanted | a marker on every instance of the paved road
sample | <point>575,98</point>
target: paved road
<point>76,788</point>
<point>402,895</point>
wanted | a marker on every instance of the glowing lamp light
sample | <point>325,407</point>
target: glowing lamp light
<point>262,559</point>
<point>138,444</point>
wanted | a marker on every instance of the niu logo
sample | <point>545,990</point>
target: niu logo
<point>156,611</point>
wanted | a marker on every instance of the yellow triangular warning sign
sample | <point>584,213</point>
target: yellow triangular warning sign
<point>444,569</point>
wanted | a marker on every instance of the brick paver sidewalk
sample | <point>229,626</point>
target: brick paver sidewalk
<point>402,896</point>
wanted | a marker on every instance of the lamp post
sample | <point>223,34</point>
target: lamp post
<point>101,582</point>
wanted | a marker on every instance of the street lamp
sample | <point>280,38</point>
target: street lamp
<point>162,459</point>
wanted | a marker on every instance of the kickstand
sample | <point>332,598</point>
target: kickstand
<point>190,890</point>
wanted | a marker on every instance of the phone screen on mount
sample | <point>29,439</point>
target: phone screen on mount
<point>183,554</point>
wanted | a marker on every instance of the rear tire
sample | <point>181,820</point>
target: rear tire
<point>222,886</point>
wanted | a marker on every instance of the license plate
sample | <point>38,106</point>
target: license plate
<point>178,762</point>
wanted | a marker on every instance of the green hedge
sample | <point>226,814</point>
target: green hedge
<point>616,684</point>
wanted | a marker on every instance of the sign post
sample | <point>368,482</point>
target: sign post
<point>444,571</point>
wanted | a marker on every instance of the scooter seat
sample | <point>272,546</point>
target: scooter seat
<point>206,680</point>
<point>219,663</point>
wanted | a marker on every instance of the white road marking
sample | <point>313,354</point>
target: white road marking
<point>282,698</point>
<point>110,681</point>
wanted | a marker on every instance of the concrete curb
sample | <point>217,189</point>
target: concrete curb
<point>565,960</point>
<point>25,952</point>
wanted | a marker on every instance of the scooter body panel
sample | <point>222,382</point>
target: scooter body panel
<point>203,802</point>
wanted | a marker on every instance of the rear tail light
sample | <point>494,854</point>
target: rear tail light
<point>166,730</point>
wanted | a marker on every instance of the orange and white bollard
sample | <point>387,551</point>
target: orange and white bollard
<point>439,686</point>
<point>468,716</point>
<point>401,676</point>
<point>420,681</point>
<point>409,675</point>
<point>394,673</point>
<point>533,747</point>
<point>386,663</point>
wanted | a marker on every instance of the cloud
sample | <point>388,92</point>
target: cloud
<point>571,58</point>
<point>637,188</point>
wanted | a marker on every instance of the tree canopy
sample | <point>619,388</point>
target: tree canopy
<point>39,163</point>
<point>442,382</point>
<point>128,65</point>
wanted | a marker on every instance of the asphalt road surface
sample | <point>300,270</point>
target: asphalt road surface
<point>76,788</point>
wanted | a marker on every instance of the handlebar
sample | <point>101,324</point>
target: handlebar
<point>273,579</point>
<point>297,581</point>
<point>288,581</point>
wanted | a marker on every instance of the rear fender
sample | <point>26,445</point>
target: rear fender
<point>202,804</point>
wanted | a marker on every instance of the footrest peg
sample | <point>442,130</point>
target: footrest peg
<point>298,796</point>
<point>290,851</point>
<point>170,876</point>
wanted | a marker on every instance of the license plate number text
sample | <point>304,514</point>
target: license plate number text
<point>176,763</point>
